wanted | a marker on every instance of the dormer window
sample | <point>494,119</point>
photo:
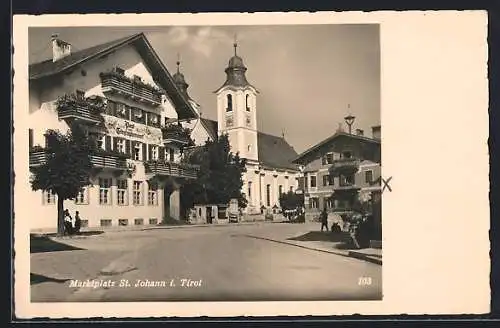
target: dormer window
<point>229,107</point>
<point>247,101</point>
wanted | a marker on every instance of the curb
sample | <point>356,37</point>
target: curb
<point>350,254</point>
<point>207,225</point>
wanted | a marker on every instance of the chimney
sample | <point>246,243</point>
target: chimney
<point>360,132</point>
<point>376,132</point>
<point>60,48</point>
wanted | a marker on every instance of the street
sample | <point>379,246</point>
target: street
<point>226,263</point>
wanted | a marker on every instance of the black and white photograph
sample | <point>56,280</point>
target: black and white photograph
<point>229,165</point>
<point>205,163</point>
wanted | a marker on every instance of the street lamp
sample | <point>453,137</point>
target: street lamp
<point>349,120</point>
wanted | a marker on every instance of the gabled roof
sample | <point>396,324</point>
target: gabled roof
<point>337,135</point>
<point>162,77</point>
<point>275,152</point>
<point>210,126</point>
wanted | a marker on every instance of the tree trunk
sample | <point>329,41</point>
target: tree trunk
<point>60,216</point>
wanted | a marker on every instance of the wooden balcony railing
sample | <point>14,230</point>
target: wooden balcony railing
<point>114,82</point>
<point>166,168</point>
<point>98,160</point>
<point>86,110</point>
<point>175,134</point>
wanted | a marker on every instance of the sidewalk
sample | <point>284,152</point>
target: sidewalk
<point>99,230</point>
<point>333,243</point>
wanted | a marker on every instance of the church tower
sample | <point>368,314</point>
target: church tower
<point>237,110</point>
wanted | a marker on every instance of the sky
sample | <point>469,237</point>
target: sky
<point>309,76</point>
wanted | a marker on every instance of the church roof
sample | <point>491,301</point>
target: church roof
<point>274,151</point>
<point>235,73</point>
<point>163,78</point>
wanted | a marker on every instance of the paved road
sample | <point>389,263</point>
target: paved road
<point>223,264</point>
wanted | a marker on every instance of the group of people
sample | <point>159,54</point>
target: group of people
<point>72,225</point>
<point>323,218</point>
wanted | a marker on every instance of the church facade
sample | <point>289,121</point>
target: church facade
<point>270,171</point>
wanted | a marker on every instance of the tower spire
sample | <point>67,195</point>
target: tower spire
<point>178,62</point>
<point>235,44</point>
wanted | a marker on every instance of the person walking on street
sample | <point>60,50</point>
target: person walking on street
<point>324,219</point>
<point>68,223</point>
<point>78,222</point>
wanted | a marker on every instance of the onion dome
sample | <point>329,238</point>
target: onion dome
<point>235,72</point>
<point>180,82</point>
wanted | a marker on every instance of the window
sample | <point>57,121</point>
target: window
<point>30,136</point>
<point>346,180</point>
<point>111,108</point>
<point>105,191</point>
<point>49,197</point>
<point>154,153</point>
<point>105,223</point>
<point>229,103</point>
<point>123,222</point>
<point>369,176</point>
<point>122,192</point>
<point>268,195</point>
<point>137,192</point>
<point>137,151</point>
<point>138,115</point>
<point>119,70</point>
<point>323,160</point>
<point>305,182</point>
<point>326,180</point>
<point>153,194</point>
<point>313,181</point>
<point>314,202</point>
<point>137,78</point>
<point>329,158</point>
<point>138,221</point>
<point>122,111</point>
<point>100,141</point>
<point>291,188</point>
<point>153,221</point>
<point>120,145</point>
<point>82,197</point>
<point>329,203</point>
<point>80,94</point>
<point>171,153</point>
<point>249,190</point>
<point>280,190</point>
<point>153,119</point>
<point>247,101</point>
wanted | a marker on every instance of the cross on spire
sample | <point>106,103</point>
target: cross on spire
<point>235,44</point>
<point>178,61</point>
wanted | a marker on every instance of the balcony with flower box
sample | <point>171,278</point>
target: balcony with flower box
<point>176,134</point>
<point>101,160</point>
<point>79,108</point>
<point>163,168</point>
<point>133,88</point>
<point>344,166</point>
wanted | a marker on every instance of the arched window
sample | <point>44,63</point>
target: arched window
<point>247,101</point>
<point>229,107</point>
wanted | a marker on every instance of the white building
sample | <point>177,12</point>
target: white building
<point>141,98</point>
<point>270,170</point>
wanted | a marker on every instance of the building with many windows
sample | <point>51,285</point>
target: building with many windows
<point>137,171</point>
<point>354,162</point>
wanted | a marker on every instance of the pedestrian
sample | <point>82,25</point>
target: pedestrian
<point>78,222</point>
<point>324,219</point>
<point>68,224</point>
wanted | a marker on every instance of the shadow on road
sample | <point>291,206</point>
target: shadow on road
<point>322,236</point>
<point>38,279</point>
<point>42,244</point>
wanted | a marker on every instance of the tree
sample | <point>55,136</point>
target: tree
<point>291,201</point>
<point>67,167</point>
<point>220,177</point>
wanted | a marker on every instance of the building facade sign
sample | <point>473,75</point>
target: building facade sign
<point>117,127</point>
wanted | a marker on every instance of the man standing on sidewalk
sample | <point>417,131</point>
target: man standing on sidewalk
<point>324,219</point>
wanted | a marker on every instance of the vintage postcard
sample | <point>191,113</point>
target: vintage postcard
<point>250,164</point>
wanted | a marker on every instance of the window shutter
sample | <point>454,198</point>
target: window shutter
<point>128,151</point>
<point>115,143</point>
<point>30,133</point>
<point>150,152</point>
<point>161,153</point>
<point>144,151</point>
<point>107,145</point>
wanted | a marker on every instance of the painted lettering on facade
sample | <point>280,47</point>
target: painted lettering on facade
<point>121,128</point>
